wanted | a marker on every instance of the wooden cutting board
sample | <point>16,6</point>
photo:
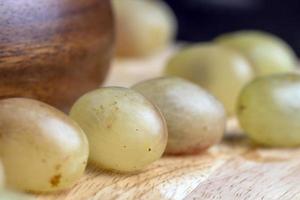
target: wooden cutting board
<point>232,170</point>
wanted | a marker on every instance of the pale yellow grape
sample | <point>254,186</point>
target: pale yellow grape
<point>267,53</point>
<point>125,131</point>
<point>195,119</point>
<point>220,70</point>
<point>269,110</point>
<point>12,195</point>
<point>143,27</point>
<point>41,148</point>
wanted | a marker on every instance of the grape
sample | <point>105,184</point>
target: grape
<point>143,27</point>
<point>125,131</point>
<point>269,110</point>
<point>41,148</point>
<point>267,53</point>
<point>220,70</point>
<point>195,119</point>
<point>11,195</point>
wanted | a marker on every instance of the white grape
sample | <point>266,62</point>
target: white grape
<point>125,131</point>
<point>269,110</point>
<point>195,119</point>
<point>267,53</point>
<point>220,70</point>
<point>143,27</point>
<point>41,148</point>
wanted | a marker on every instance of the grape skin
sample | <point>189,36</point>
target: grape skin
<point>41,148</point>
<point>125,131</point>
<point>195,119</point>
<point>269,110</point>
<point>220,70</point>
<point>267,53</point>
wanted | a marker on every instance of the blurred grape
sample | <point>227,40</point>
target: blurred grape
<point>143,27</point>
<point>220,70</point>
<point>267,53</point>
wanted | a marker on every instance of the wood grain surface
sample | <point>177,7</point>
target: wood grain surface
<point>236,169</point>
<point>54,50</point>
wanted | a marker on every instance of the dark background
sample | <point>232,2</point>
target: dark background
<point>201,20</point>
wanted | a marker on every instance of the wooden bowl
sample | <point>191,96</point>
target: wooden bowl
<point>54,50</point>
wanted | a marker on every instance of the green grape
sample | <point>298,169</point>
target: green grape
<point>267,53</point>
<point>269,110</point>
<point>41,148</point>
<point>195,119</point>
<point>142,27</point>
<point>220,70</point>
<point>125,131</point>
<point>11,195</point>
